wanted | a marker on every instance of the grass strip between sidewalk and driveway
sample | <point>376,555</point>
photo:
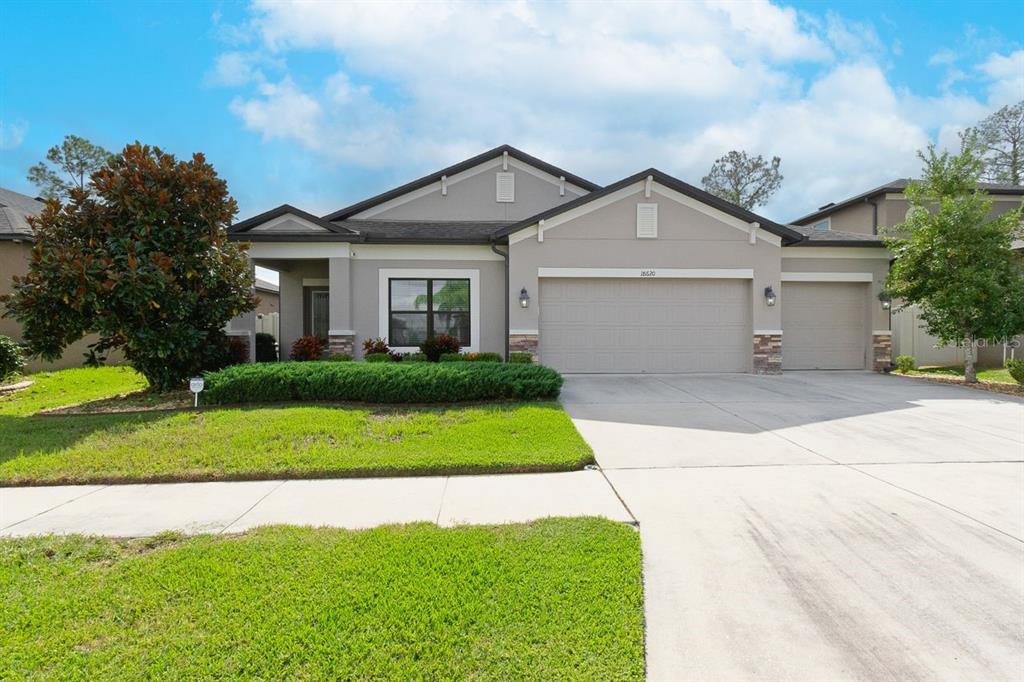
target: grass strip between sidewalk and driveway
<point>554,599</point>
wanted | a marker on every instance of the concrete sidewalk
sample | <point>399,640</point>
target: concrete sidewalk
<point>141,510</point>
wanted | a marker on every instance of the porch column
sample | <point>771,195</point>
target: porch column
<point>341,336</point>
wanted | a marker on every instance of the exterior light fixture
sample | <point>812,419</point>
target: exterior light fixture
<point>524,298</point>
<point>886,300</point>
<point>769,296</point>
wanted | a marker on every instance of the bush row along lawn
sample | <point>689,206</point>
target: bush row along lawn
<point>419,382</point>
<point>555,599</point>
<point>292,441</point>
<point>1000,375</point>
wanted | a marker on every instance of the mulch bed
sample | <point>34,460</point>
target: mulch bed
<point>990,386</point>
<point>128,403</point>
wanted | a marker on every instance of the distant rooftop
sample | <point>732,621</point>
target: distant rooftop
<point>14,211</point>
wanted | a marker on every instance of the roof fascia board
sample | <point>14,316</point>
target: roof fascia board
<point>836,252</point>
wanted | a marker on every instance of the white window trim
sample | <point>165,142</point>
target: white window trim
<point>384,290</point>
<point>827,277</point>
<point>649,273</point>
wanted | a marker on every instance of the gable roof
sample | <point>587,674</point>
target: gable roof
<point>787,233</point>
<point>361,206</point>
<point>332,232</point>
<point>897,185</point>
<point>15,208</point>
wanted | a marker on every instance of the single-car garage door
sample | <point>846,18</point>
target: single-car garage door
<point>823,325</point>
<point>646,325</point>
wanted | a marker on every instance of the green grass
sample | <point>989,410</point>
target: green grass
<point>555,599</point>
<point>293,441</point>
<point>1000,375</point>
<point>71,387</point>
<point>299,442</point>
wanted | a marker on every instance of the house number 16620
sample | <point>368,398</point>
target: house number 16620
<point>648,273</point>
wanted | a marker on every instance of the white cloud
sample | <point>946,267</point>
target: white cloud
<point>602,89</point>
<point>12,134</point>
<point>1006,74</point>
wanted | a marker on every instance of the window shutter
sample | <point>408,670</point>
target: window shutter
<point>646,221</point>
<point>506,184</point>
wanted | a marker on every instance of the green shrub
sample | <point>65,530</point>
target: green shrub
<point>1016,369</point>
<point>415,357</point>
<point>904,363</point>
<point>378,357</point>
<point>308,348</point>
<point>415,382</point>
<point>471,357</point>
<point>339,357</point>
<point>520,356</point>
<point>11,359</point>
<point>266,347</point>
<point>439,345</point>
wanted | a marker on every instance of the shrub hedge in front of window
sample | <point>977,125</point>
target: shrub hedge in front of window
<point>385,382</point>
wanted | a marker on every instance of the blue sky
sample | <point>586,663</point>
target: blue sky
<point>322,104</point>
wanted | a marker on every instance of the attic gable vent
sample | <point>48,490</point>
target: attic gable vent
<point>506,187</point>
<point>646,221</point>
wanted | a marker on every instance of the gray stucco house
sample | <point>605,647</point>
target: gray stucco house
<point>863,216</point>
<point>508,252</point>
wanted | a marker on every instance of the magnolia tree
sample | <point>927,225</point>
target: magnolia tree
<point>954,261</point>
<point>142,260</point>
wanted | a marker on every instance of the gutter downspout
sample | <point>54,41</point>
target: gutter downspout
<point>874,216</point>
<point>504,255</point>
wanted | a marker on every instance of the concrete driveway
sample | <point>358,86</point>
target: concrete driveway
<point>819,525</point>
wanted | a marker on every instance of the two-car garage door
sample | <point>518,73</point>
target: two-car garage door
<point>645,325</point>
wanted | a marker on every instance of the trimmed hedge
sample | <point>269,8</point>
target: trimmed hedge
<point>385,382</point>
<point>520,356</point>
<point>471,357</point>
<point>1016,369</point>
<point>378,357</point>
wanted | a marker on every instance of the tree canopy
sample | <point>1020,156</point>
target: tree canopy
<point>954,261</point>
<point>998,141</point>
<point>144,262</point>
<point>75,160</point>
<point>747,181</point>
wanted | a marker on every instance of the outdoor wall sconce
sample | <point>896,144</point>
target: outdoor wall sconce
<point>524,298</point>
<point>886,300</point>
<point>769,296</point>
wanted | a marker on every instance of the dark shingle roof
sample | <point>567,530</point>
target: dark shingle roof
<point>814,237</point>
<point>424,231</point>
<point>458,168</point>
<point>897,185</point>
<point>14,209</point>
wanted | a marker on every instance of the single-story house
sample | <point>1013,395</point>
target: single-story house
<point>510,253</point>
<point>863,215</point>
<point>269,297</point>
<point>15,253</point>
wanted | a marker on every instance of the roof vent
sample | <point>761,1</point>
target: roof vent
<point>506,187</point>
<point>822,208</point>
<point>646,221</point>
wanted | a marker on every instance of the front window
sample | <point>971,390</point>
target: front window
<point>422,308</point>
<point>823,225</point>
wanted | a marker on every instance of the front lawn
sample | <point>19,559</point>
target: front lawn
<point>1000,375</point>
<point>291,441</point>
<point>71,387</point>
<point>555,599</point>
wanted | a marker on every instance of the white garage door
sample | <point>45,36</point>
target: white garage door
<point>645,325</point>
<point>823,325</point>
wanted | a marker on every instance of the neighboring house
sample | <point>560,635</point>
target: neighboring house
<point>510,253</point>
<point>15,250</point>
<point>269,298</point>
<point>863,216</point>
